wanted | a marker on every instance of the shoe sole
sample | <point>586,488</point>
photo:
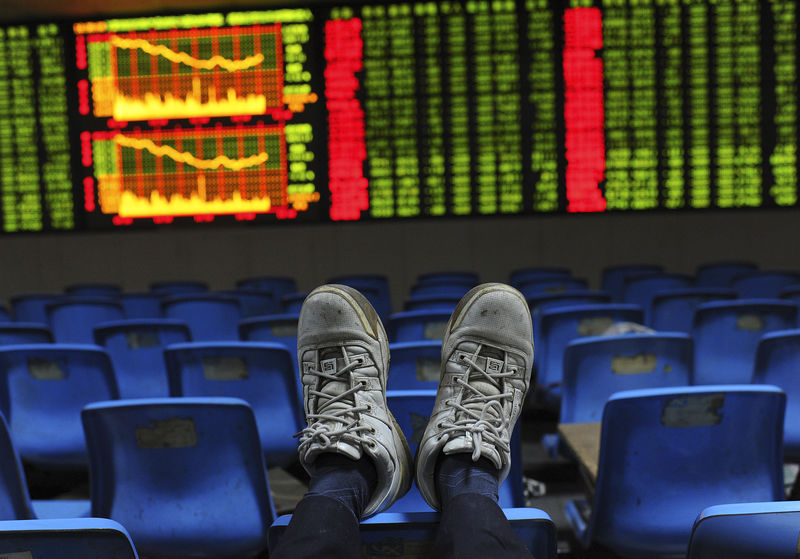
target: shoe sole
<point>374,327</point>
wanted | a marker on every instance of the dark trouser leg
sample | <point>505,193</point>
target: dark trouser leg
<point>474,526</point>
<point>320,527</point>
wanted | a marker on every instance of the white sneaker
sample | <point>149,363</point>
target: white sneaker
<point>343,353</point>
<point>487,356</point>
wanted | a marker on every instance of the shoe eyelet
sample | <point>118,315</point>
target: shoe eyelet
<point>439,425</point>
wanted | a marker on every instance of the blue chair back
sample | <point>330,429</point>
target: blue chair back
<point>722,274</point>
<point>174,288</point>
<point>25,333</point>
<point>449,278</point>
<point>72,319</point>
<point>278,329</point>
<point>260,373</point>
<point>777,362</point>
<point>521,275</point>
<point>374,287</point>
<point>542,302</point>
<point>613,277</point>
<point>277,285</point>
<point>764,285</point>
<point>66,538</point>
<point>15,502</point>
<point>597,367</point>
<point>412,409</point>
<point>439,290</point>
<point>726,335</point>
<point>532,288</point>
<point>672,310</point>
<point>93,290</point>
<point>210,317</point>
<point>415,365</point>
<point>639,289</point>
<point>791,293</point>
<point>668,453</point>
<point>255,302</point>
<point>292,303</point>
<point>5,316</point>
<point>141,305</point>
<point>560,326</point>
<point>431,302</point>
<point>42,391</point>
<point>411,534</point>
<point>193,464</point>
<point>746,531</point>
<point>136,348</point>
<point>415,326</point>
<point>32,308</point>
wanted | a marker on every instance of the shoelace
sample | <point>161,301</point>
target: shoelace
<point>340,423</point>
<point>480,414</point>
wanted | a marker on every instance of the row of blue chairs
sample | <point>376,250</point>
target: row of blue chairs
<point>187,478</point>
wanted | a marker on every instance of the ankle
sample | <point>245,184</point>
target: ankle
<point>351,482</point>
<point>457,474</point>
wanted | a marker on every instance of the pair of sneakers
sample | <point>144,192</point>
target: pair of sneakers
<point>343,350</point>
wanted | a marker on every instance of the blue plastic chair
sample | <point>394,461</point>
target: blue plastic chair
<point>746,531</point>
<point>277,285</point>
<point>411,534</point>
<point>174,288</point>
<point>640,289</point>
<point>292,303</point>
<point>93,290</point>
<point>32,307</point>
<point>375,287</point>
<point>777,362</point>
<point>764,285</point>
<point>792,293</point>
<point>613,277</point>
<point>42,390</point>
<point>185,476</point>
<point>25,333</point>
<point>541,302</point>
<point>668,453</point>
<point>522,275</point>
<point>412,409</point>
<point>415,365</point>
<point>136,348</point>
<point>672,310</point>
<point>15,501</point>
<point>439,290</point>
<point>209,316</point>
<point>532,288</point>
<point>255,302</point>
<point>260,373</point>
<point>70,538</point>
<point>141,305</point>
<point>279,329</point>
<point>416,326</point>
<point>597,367</point>
<point>726,335</point>
<point>431,302</point>
<point>449,278</point>
<point>722,274</point>
<point>72,319</point>
<point>560,326</point>
<point>5,316</point>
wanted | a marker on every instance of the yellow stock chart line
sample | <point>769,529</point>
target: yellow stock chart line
<point>188,158</point>
<point>187,59</point>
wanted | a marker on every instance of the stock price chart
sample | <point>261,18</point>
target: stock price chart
<point>399,110</point>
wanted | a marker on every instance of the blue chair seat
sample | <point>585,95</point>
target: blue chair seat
<point>70,538</point>
<point>417,531</point>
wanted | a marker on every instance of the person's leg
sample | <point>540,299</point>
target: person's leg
<point>355,453</point>
<point>487,357</point>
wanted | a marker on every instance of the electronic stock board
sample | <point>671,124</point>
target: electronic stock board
<point>370,111</point>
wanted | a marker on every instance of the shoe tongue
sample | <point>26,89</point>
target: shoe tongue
<point>329,364</point>
<point>494,364</point>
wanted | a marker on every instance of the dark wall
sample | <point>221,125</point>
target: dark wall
<point>312,254</point>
